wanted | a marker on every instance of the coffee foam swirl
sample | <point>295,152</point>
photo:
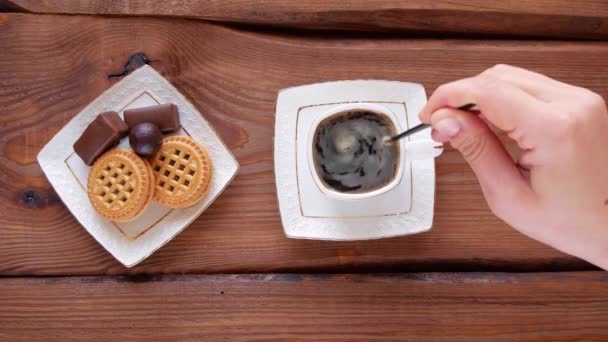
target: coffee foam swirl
<point>350,154</point>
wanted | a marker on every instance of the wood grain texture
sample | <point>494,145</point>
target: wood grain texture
<point>530,18</point>
<point>53,66</point>
<point>417,307</point>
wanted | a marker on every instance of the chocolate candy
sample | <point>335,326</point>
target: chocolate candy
<point>164,116</point>
<point>104,132</point>
<point>145,139</point>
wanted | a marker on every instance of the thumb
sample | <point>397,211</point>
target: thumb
<point>507,192</point>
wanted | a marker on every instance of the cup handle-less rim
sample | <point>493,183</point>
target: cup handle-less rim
<point>345,108</point>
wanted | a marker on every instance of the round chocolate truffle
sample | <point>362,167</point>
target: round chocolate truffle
<point>145,139</point>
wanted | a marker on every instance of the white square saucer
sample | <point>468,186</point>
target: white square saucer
<point>131,242</point>
<point>305,211</point>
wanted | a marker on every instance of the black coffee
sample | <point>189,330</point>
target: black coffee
<point>350,154</point>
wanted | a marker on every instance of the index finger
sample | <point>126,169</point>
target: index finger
<point>538,85</point>
<point>503,104</point>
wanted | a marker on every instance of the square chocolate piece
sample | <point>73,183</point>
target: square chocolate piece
<point>164,116</point>
<point>104,132</point>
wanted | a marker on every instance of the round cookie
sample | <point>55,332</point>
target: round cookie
<point>120,185</point>
<point>182,171</point>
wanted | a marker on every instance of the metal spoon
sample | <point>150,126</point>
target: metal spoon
<point>467,107</point>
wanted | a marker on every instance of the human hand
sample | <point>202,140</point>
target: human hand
<point>557,192</point>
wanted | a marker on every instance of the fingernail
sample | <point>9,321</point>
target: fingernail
<point>445,130</point>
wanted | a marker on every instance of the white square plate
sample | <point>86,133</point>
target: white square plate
<point>132,242</point>
<point>305,211</point>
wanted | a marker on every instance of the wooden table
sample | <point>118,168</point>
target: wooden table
<point>233,275</point>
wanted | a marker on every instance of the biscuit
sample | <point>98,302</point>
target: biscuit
<point>183,172</point>
<point>120,185</point>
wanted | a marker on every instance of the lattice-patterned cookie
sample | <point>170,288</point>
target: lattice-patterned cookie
<point>120,185</point>
<point>182,170</point>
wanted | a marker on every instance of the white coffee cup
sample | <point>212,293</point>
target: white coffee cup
<point>408,150</point>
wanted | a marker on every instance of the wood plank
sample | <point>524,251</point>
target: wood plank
<point>8,6</point>
<point>530,18</point>
<point>410,307</point>
<point>53,66</point>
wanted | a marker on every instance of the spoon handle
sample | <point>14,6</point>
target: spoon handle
<point>467,107</point>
